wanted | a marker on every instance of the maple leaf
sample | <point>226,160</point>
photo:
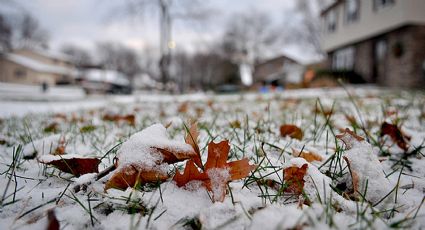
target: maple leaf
<point>74,165</point>
<point>217,171</point>
<point>307,155</point>
<point>294,178</point>
<point>192,139</point>
<point>291,131</point>
<point>396,135</point>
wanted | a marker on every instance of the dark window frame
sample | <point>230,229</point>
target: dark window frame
<point>382,4</point>
<point>351,18</point>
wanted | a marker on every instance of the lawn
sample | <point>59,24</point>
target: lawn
<point>312,173</point>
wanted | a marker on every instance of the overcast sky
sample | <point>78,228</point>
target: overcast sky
<point>85,22</point>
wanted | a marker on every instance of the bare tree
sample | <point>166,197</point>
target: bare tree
<point>5,35</point>
<point>118,57</point>
<point>169,11</point>
<point>80,57</point>
<point>306,31</point>
<point>29,33</point>
<point>250,34</point>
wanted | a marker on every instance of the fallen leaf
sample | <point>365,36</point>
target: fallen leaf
<point>132,175</point>
<point>396,135</point>
<point>183,107</point>
<point>291,131</point>
<point>217,171</point>
<point>130,118</point>
<point>192,139</point>
<point>60,150</point>
<point>349,138</point>
<point>51,128</point>
<point>294,178</point>
<point>354,179</point>
<point>307,155</point>
<point>73,165</point>
<point>128,174</point>
<point>52,221</point>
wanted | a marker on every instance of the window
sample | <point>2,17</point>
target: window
<point>352,10</point>
<point>20,73</point>
<point>331,21</point>
<point>343,59</point>
<point>381,48</point>
<point>379,4</point>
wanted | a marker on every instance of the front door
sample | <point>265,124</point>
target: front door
<point>380,52</point>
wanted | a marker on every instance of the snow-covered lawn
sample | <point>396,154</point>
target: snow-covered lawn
<point>354,181</point>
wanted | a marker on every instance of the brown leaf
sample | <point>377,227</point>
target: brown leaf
<point>307,155</point>
<point>291,131</point>
<point>132,175</point>
<point>396,135</point>
<point>216,165</point>
<point>294,178</point>
<point>354,179</point>
<point>192,139</point>
<point>60,150</point>
<point>130,118</point>
<point>349,138</point>
<point>75,166</point>
<point>183,107</point>
<point>52,221</point>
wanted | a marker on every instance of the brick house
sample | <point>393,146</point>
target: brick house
<point>29,66</point>
<point>381,40</point>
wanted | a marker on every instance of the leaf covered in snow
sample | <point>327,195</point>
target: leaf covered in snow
<point>291,131</point>
<point>217,171</point>
<point>144,158</point>
<point>367,174</point>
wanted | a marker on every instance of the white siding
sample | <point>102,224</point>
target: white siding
<point>372,22</point>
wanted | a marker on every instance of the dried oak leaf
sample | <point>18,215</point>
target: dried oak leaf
<point>294,178</point>
<point>347,137</point>
<point>307,155</point>
<point>291,131</point>
<point>76,166</point>
<point>217,171</point>
<point>132,173</point>
<point>396,135</point>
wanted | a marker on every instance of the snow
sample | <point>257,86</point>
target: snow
<point>38,66</point>
<point>108,76</point>
<point>364,162</point>
<point>42,146</point>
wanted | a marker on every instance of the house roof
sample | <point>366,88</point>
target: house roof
<point>285,57</point>
<point>37,65</point>
<point>50,54</point>
<point>330,7</point>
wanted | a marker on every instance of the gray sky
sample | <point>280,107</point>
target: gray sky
<point>85,22</point>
